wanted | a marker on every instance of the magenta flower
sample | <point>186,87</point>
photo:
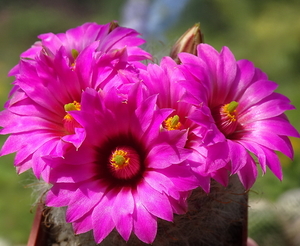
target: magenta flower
<point>127,173</point>
<point>49,81</point>
<point>247,115</point>
<point>109,37</point>
<point>165,80</point>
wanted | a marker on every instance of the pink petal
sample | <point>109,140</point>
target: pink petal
<point>270,140</point>
<point>73,174</point>
<point>226,73</point>
<point>238,156</point>
<point>60,195</point>
<point>24,165</point>
<point>217,157</point>
<point>155,202</point>
<point>12,144</point>
<point>77,138</point>
<point>257,150</point>
<point>180,205</point>
<point>221,176</point>
<point>84,224</point>
<point>87,154</point>
<point>84,200</point>
<point>145,112</point>
<point>102,217</point>
<point>266,157</point>
<point>248,173</point>
<point>122,212</point>
<point>209,55</point>
<point>158,117</point>
<point>39,164</point>
<point>256,92</point>
<point>181,176</point>
<point>137,54</point>
<point>161,183</point>
<point>273,163</point>
<point>246,74</point>
<point>271,106</point>
<point>144,223</point>
<point>120,37</point>
<point>204,181</point>
<point>163,156</point>
<point>279,125</point>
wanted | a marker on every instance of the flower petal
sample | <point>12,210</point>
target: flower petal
<point>248,173</point>
<point>60,195</point>
<point>238,156</point>
<point>84,224</point>
<point>144,223</point>
<point>122,212</point>
<point>102,217</point>
<point>84,200</point>
<point>155,202</point>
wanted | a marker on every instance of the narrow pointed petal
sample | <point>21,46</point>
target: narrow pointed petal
<point>102,216</point>
<point>248,173</point>
<point>144,223</point>
<point>84,224</point>
<point>156,203</point>
<point>122,217</point>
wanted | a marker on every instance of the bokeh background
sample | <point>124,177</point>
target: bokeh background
<point>265,32</point>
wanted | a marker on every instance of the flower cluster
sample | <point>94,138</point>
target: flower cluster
<point>123,143</point>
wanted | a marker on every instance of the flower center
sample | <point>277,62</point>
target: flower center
<point>225,117</point>
<point>69,122</point>
<point>172,123</point>
<point>74,54</point>
<point>119,159</point>
<point>124,162</point>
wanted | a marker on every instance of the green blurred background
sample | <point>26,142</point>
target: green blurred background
<point>265,32</point>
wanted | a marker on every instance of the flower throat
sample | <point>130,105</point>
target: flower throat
<point>226,117</point>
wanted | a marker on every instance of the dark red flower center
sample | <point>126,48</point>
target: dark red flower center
<point>226,117</point>
<point>121,160</point>
<point>124,162</point>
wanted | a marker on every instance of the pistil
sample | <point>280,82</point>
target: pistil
<point>226,117</point>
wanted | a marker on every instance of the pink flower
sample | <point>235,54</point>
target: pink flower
<point>109,37</point>
<point>49,81</point>
<point>127,173</point>
<point>165,81</point>
<point>247,115</point>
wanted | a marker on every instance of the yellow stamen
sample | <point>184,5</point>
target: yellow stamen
<point>230,110</point>
<point>172,123</point>
<point>71,107</point>
<point>119,159</point>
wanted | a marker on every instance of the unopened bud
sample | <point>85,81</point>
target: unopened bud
<point>113,25</point>
<point>187,42</point>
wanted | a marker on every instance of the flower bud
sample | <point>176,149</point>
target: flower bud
<point>187,42</point>
<point>113,25</point>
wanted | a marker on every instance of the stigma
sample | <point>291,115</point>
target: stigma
<point>230,110</point>
<point>226,117</point>
<point>74,54</point>
<point>172,123</point>
<point>68,121</point>
<point>124,163</point>
<point>119,159</point>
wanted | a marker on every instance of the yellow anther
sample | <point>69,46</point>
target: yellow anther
<point>119,159</point>
<point>230,110</point>
<point>172,123</point>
